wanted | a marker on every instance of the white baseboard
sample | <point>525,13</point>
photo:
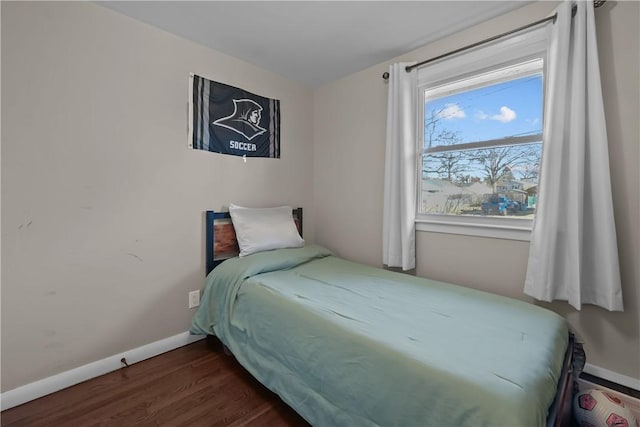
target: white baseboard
<point>49,385</point>
<point>615,377</point>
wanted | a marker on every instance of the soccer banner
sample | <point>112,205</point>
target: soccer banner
<point>228,120</point>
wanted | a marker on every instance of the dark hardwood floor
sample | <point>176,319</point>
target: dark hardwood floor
<point>195,385</point>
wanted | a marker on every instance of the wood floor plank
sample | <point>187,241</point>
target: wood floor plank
<point>115,385</point>
<point>195,385</point>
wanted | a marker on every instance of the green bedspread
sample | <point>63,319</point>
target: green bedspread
<point>349,345</point>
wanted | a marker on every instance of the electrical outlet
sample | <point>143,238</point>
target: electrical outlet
<point>194,299</point>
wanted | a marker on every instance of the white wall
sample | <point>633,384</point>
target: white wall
<point>349,133</point>
<point>348,163</point>
<point>102,200</point>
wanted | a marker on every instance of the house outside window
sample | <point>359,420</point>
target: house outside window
<point>480,127</point>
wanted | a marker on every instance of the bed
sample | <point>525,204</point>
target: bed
<point>346,344</point>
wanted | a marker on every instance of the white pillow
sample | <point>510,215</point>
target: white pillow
<point>264,229</point>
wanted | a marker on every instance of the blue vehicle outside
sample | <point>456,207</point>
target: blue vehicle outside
<point>499,205</point>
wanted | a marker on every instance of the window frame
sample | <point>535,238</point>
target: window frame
<point>472,65</point>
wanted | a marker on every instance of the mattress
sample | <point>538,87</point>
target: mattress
<point>346,344</point>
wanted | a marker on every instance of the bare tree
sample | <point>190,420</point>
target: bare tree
<point>499,162</point>
<point>449,165</point>
<point>531,171</point>
<point>495,163</point>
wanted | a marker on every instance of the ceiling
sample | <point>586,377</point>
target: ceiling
<point>313,42</point>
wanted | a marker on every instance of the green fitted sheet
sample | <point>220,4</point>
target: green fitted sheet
<point>350,345</point>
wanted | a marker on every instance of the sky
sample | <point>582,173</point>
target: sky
<point>511,108</point>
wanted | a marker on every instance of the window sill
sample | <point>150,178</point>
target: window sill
<point>496,228</point>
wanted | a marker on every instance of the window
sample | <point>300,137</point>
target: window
<point>480,135</point>
<point>483,144</point>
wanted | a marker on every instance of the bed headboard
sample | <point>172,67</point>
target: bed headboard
<point>221,242</point>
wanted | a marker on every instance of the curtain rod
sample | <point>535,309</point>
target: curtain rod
<point>596,4</point>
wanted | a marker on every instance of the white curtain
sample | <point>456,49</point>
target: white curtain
<point>573,253</point>
<point>400,170</point>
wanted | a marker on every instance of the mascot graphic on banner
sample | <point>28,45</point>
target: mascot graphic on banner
<point>244,120</point>
<point>228,120</point>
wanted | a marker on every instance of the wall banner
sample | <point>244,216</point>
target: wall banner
<point>228,120</point>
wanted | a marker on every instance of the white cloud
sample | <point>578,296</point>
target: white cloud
<point>506,115</point>
<point>481,115</point>
<point>452,111</point>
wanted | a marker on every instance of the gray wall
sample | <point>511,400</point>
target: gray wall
<point>349,132</point>
<point>102,200</point>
